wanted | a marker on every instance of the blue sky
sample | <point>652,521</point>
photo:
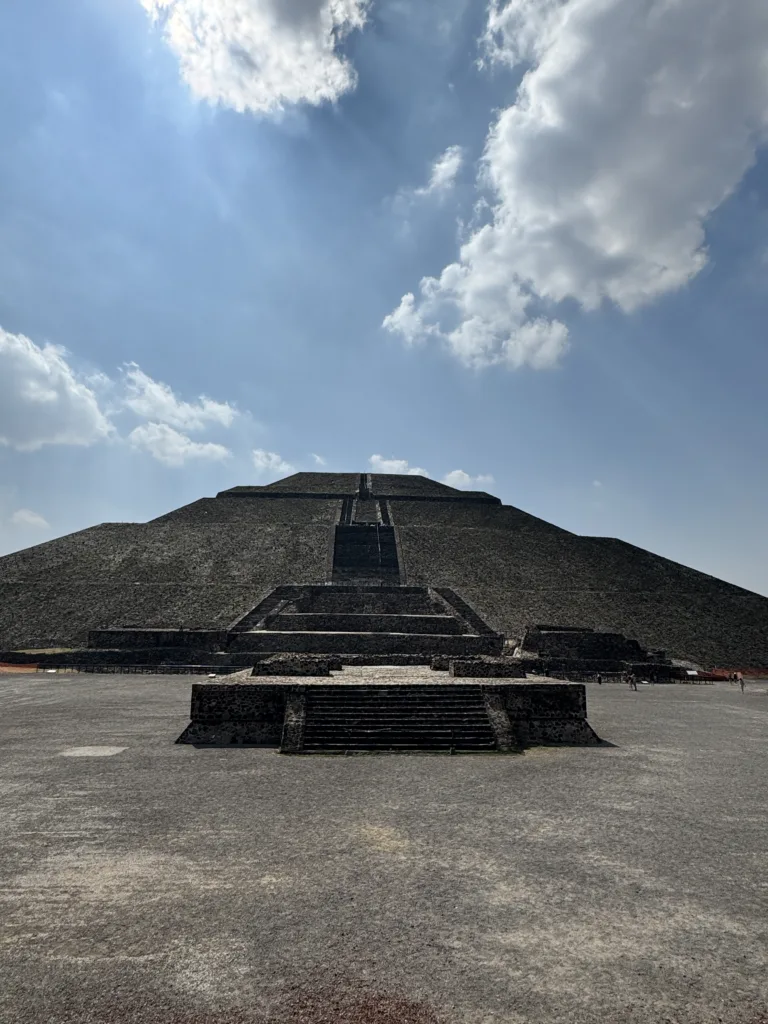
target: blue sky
<point>525,241</point>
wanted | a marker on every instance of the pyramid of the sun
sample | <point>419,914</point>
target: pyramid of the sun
<point>207,565</point>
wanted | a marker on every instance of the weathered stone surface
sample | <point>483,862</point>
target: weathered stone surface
<point>143,639</point>
<point>545,700</point>
<point>581,644</point>
<point>499,718</point>
<point>382,644</point>
<point>287,665</point>
<point>486,668</point>
<point>292,740</point>
<point>224,713</point>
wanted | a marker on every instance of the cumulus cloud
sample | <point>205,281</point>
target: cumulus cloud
<point>26,517</point>
<point>458,478</point>
<point>42,399</point>
<point>261,55</point>
<point>444,171</point>
<point>379,464</point>
<point>173,448</point>
<point>153,400</point>
<point>270,464</point>
<point>632,123</point>
<point>442,178</point>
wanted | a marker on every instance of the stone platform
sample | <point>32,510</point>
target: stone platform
<point>400,713</point>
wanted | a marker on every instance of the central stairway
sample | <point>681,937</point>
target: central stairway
<point>343,717</point>
<point>364,621</point>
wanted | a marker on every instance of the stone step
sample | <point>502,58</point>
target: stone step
<point>376,708</point>
<point>282,641</point>
<point>427,700</point>
<point>396,708</point>
<point>396,728</point>
<point>403,707</point>
<point>365,550</point>
<point>415,733</point>
<point>392,722</point>
<point>394,693</point>
<point>444,689</point>
<point>400,747</point>
<point>428,717</point>
<point>366,622</point>
<point>368,601</point>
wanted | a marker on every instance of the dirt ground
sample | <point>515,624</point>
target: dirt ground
<point>142,881</point>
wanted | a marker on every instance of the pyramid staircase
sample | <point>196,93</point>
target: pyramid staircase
<point>363,620</point>
<point>362,611</point>
<point>349,718</point>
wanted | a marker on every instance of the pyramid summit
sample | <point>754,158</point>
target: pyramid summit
<point>372,564</point>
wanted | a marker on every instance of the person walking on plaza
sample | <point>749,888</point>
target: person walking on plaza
<point>740,678</point>
<point>599,679</point>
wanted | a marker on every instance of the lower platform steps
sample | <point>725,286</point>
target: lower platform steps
<point>427,644</point>
<point>370,718</point>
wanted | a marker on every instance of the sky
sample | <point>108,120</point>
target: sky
<point>521,247</point>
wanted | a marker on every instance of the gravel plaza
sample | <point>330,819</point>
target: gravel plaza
<point>144,881</point>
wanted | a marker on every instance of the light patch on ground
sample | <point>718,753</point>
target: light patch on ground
<point>91,751</point>
<point>583,938</point>
<point>383,838</point>
<point>214,971</point>
<point>93,877</point>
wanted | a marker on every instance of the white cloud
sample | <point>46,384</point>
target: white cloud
<point>632,123</point>
<point>379,464</point>
<point>270,464</point>
<point>444,171</point>
<point>153,400</point>
<point>458,478</point>
<point>408,321</point>
<point>261,55</point>
<point>173,448</point>
<point>597,484</point>
<point>26,517</point>
<point>441,181</point>
<point>318,459</point>
<point>42,400</point>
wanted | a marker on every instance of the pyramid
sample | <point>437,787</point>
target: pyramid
<point>392,563</point>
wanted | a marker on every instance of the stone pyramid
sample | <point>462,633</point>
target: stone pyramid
<point>378,545</point>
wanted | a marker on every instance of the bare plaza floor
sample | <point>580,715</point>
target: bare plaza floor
<point>142,881</point>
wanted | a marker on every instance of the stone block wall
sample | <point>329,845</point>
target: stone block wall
<point>288,665</point>
<point>485,668</point>
<point>237,713</point>
<point>548,714</point>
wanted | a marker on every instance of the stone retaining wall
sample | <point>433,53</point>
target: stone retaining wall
<point>484,668</point>
<point>231,713</point>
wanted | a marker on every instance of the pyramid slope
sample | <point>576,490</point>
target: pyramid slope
<point>518,577</point>
<point>208,563</point>
<point>204,565</point>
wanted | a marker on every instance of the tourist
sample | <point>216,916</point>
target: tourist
<point>599,679</point>
<point>740,678</point>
